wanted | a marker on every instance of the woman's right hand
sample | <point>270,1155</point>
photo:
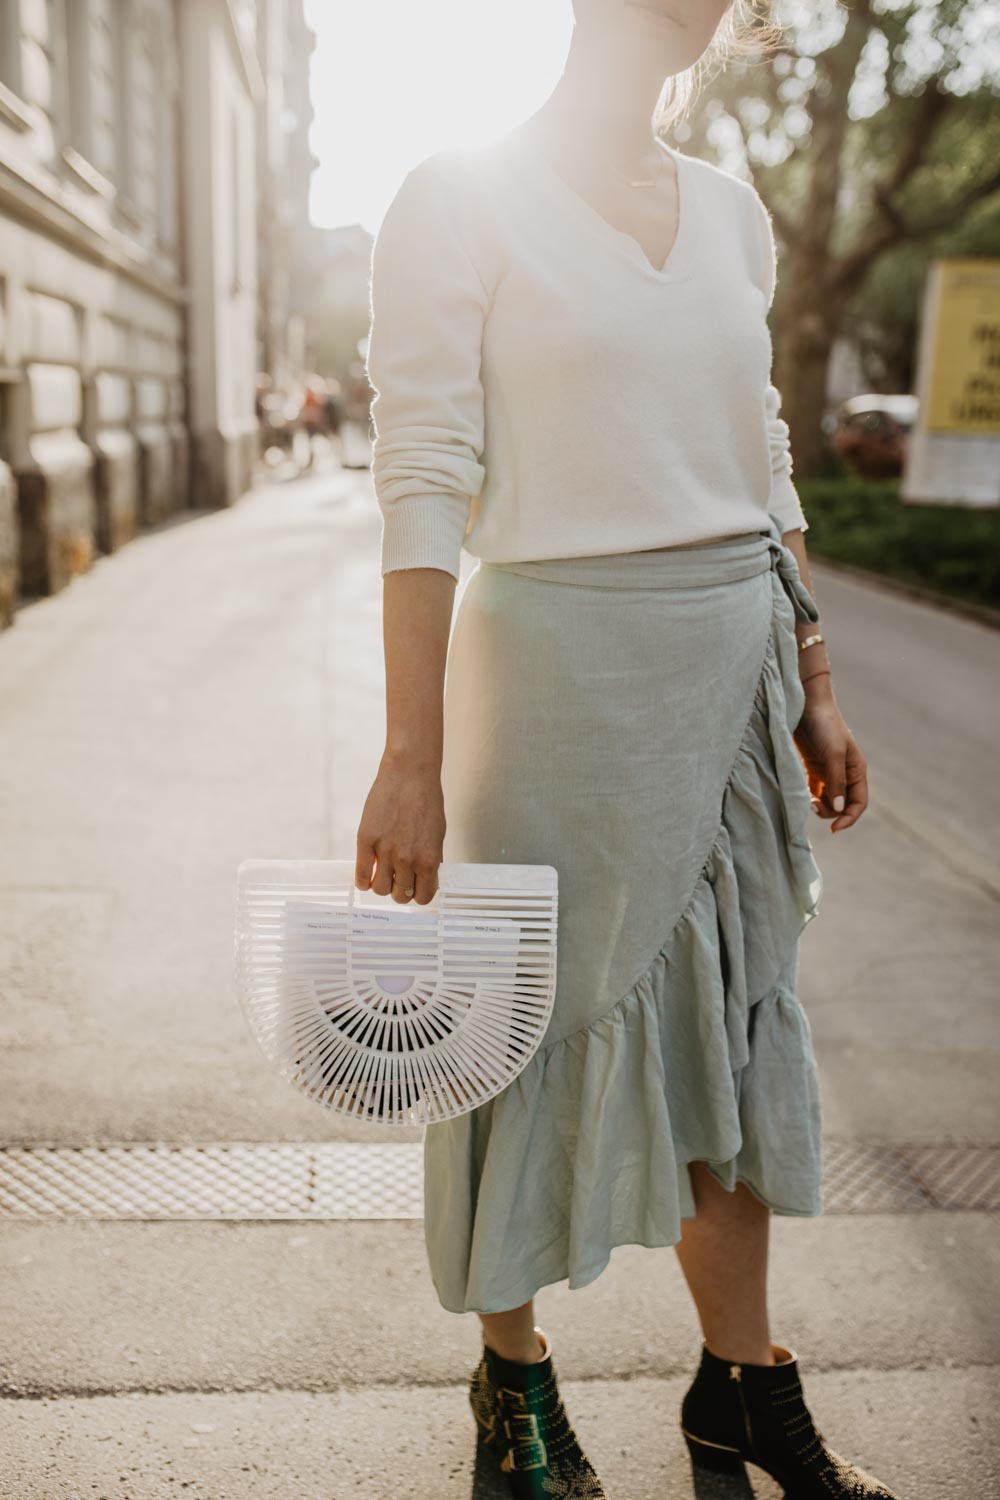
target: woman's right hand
<point>401,834</point>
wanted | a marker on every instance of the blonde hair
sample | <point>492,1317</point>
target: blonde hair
<point>745,30</point>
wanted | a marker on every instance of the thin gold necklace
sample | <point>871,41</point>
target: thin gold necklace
<point>639,182</point>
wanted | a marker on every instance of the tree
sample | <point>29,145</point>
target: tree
<point>872,127</point>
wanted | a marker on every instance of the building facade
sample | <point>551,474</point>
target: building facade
<point>285,166</point>
<point>129,288</point>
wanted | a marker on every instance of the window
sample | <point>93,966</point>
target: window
<point>73,18</point>
<point>122,43</point>
<point>75,40</point>
<point>10,44</point>
<point>165,104</point>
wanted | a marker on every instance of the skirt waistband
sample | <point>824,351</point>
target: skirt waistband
<point>720,561</point>
<point>725,560</point>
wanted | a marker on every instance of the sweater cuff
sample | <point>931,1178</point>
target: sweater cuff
<point>424,531</point>
<point>785,505</point>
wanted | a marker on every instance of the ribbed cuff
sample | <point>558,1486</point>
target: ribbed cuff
<point>424,531</point>
<point>785,504</point>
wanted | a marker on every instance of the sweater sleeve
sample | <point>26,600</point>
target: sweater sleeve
<point>784,502</point>
<point>427,304</point>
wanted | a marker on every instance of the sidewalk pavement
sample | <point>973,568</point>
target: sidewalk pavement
<point>215,691</point>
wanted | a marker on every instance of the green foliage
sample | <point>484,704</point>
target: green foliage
<point>882,318</point>
<point>873,134</point>
<point>949,548</point>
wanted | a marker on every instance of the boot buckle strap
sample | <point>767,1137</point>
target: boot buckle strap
<point>523,1431</point>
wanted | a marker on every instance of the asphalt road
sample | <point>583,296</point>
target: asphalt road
<point>921,688</point>
<point>215,691</point>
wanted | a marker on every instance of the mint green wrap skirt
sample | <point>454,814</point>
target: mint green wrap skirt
<point>629,718</point>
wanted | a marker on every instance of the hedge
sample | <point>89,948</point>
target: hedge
<point>952,549</point>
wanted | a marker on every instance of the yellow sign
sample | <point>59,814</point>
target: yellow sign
<point>964,390</point>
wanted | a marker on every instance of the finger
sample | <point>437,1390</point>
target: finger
<point>835,781</point>
<point>382,880</point>
<point>857,797</point>
<point>364,863</point>
<point>821,803</point>
<point>814,781</point>
<point>427,884</point>
<point>404,884</point>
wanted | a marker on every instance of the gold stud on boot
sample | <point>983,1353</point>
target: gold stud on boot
<point>521,1418</point>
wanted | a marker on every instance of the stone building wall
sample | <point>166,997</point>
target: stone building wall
<point>93,407</point>
<point>128,272</point>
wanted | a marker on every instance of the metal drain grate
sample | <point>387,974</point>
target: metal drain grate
<point>334,1180</point>
<point>887,1179</point>
<point>341,1180</point>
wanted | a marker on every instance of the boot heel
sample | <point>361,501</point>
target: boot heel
<point>713,1456</point>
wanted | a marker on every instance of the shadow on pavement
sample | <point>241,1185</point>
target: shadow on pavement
<point>488,1481</point>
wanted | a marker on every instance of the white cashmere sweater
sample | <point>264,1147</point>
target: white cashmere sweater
<point>543,391</point>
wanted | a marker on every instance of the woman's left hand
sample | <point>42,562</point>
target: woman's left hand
<point>834,765</point>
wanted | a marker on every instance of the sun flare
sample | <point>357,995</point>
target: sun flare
<point>393,81</point>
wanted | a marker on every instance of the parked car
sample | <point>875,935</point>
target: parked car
<point>869,433</point>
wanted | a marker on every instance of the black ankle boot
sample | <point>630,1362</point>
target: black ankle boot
<point>737,1412</point>
<point>521,1416</point>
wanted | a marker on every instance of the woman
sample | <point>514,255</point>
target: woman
<point>571,357</point>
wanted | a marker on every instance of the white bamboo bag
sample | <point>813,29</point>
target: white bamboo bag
<point>395,1013</point>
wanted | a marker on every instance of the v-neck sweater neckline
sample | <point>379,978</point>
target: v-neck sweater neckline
<point>682,258</point>
<point>542,391</point>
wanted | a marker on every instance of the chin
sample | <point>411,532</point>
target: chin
<point>670,14</point>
